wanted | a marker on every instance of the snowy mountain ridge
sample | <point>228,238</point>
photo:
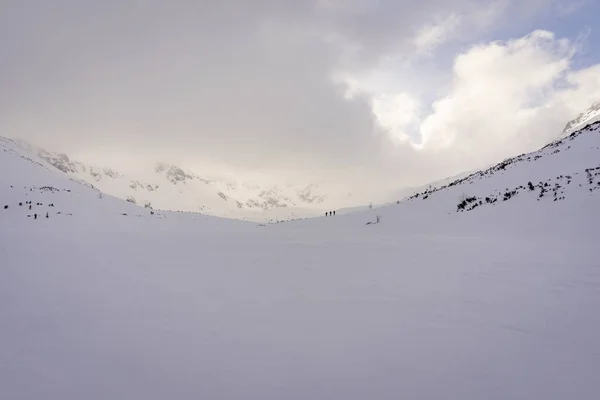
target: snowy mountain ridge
<point>592,114</point>
<point>170,187</point>
<point>567,166</point>
<point>173,188</point>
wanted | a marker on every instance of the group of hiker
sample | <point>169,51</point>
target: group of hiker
<point>330,213</point>
<point>30,204</point>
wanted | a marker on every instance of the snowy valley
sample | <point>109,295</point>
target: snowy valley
<point>169,187</point>
<point>485,287</point>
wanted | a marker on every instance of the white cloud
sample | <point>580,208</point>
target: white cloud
<point>432,35</point>
<point>249,87</point>
<point>505,98</point>
<point>395,113</point>
<point>493,87</point>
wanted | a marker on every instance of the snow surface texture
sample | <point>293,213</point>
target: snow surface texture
<point>433,301</point>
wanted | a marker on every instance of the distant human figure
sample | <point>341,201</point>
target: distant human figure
<point>327,213</point>
<point>30,206</point>
<point>47,216</point>
<point>34,216</point>
<point>333,212</point>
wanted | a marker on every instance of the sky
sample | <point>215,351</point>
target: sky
<point>375,94</point>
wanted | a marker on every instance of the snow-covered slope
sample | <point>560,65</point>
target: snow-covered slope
<point>31,186</point>
<point>589,116</point>
<point>435,301</point>
<point>169,187</point>
<point>566,167</point>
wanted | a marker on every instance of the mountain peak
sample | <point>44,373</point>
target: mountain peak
<point>590,115</point>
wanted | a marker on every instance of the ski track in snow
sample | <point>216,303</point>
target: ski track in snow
<point>499,302</point>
